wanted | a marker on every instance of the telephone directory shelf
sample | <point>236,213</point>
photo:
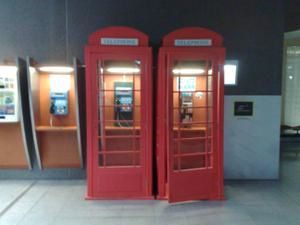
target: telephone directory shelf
<point>56,128</point>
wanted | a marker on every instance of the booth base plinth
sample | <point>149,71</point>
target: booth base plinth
<point>120,198</point>
<point>161,197</point>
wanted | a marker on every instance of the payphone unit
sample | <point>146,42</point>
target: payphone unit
<point>59,103</point>
<point>59,94</point>
<point>186,86</point>
<point>123,103</point>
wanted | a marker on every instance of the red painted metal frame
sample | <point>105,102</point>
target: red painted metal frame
<point>169,187</point>
<point>132,182</point>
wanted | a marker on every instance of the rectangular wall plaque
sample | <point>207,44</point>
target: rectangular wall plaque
<point>193,42</point>
<point>120,41</point>
<point>243,108</point>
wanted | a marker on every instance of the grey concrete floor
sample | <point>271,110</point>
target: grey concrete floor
<point>61,202</point>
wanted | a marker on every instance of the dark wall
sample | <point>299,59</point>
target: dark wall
<point>33,28</point>
<point>292,15</point>
<point>57,30</point>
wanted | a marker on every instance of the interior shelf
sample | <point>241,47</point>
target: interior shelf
<point>190,128</point>
<point>121,128</point>
<point>56,128</point>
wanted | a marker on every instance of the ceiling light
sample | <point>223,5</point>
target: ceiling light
<point>123,70</point>
<point>8,69</point>
<point>188,71</point>
<point>56,69</point>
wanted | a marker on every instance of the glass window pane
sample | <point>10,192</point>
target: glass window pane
<point>210,83</point>
<point>210,160</point>
<point>191,83</point>
<point>188,116</point>
<point>101,160</point>
<point>196,132</point>
<point>192,162</point>
<point>122,159</point>
<point>192,99</point>
<point>209,145</point>
<point>137,82</point>
<point>120,115</point>
<point>191,68</point>
<point>176,165</point>
<point>192,146</point>
<point>122,144</point>
<point>137,98</point>
<point>119,112</point>
<point>192,112</point>
<point>100,144</point>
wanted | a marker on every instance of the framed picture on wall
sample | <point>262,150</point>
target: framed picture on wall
<point>243,108</point>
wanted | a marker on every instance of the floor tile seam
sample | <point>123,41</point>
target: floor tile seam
<point>17,198</point>
<point>33,205</point>
<point>57,214</point>
<point>297,202</point>
<point>290,198</point>
<point>61,207</point>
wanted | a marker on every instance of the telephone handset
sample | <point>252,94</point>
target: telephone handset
<point>52,107</point>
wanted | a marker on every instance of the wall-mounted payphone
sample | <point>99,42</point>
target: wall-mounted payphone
<point>59,94</point>
<point>123,103</point>
<point>8,96</point>
<point>186,102</point>
<point>186,86</point>
<point>59,103</point>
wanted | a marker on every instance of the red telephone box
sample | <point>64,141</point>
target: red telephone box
<point>189,135</point>
<point>119,114</point>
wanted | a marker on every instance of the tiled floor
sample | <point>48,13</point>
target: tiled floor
<point>62,203</point>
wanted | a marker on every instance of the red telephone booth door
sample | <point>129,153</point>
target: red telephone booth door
<point>193,124</point>
<point>119,119</point>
